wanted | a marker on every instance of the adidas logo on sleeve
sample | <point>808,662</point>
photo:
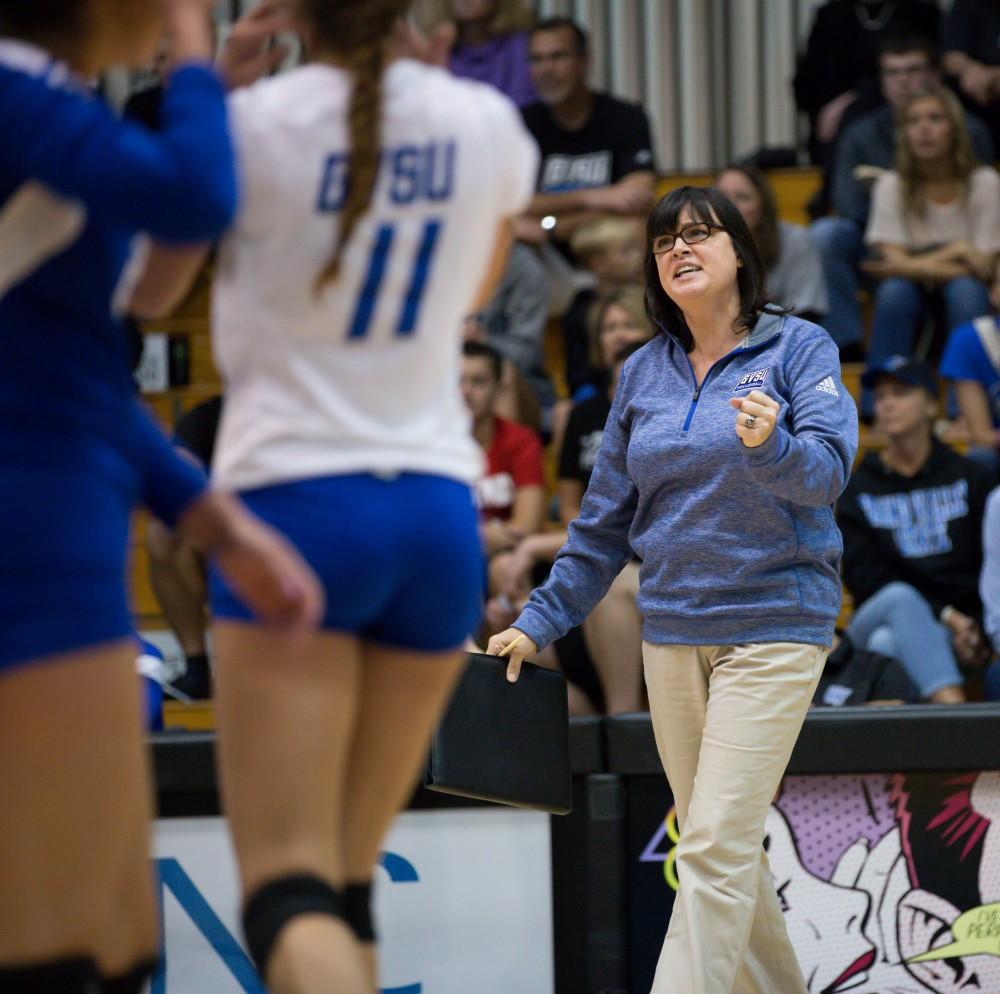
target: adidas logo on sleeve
<point>828,385</point>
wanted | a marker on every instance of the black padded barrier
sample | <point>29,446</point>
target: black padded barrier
<point>916,737</point>
<point>586,745</point>
<point>604,934</point>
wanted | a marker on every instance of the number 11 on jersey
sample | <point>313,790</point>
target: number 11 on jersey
<point>385,236</point>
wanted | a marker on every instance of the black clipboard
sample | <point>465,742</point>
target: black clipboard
<point>505,742</point>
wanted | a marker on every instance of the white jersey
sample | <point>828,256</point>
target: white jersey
<point>363,377</point>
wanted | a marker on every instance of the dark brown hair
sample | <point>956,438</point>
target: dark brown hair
<point>355,33</point>
<point>581,41</point>
<point>704,203</point>
<point>908,44</point>
<point>480,350</point>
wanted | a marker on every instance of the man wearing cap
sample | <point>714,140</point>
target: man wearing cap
<point>912,519</point>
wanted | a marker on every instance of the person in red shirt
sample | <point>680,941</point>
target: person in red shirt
<point>511,494</point>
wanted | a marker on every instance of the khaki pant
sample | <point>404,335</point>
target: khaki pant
<point>726,719</point>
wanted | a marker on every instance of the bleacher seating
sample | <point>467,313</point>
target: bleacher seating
<point>191,320</point>
<point>793,188</point>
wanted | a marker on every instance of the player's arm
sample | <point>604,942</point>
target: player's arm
<point>529,509</point>
<point>178,184</point>
<point>170,273</point>
<point>498,263</point>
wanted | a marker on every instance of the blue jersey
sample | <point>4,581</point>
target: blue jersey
<point>77,187</point>
<point>69,167</point>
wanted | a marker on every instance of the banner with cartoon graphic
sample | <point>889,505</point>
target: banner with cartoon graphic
<point>890,883</point>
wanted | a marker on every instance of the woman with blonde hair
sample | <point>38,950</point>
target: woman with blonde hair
<point>491,43</point>
<point>934,227</point>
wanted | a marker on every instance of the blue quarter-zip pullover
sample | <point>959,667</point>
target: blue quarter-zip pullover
<point>737,544</point>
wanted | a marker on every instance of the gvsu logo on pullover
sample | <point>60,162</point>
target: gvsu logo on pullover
<point>752,381</point>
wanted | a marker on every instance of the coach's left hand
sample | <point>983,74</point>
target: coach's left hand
<point>762,413</point>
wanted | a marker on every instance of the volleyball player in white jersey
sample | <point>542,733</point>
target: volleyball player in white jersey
<point>376,196</point>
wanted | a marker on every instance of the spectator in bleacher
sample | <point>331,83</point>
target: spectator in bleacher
<point>613,630</point>
<point>516,400</point>
<point>491,42</point>
<point>514,320</point>
<point>855,675</point>
<point>794,272</point>
<point>177,569</point>
<point>934,228</point>
<point>911,518</point>
<point>597,150</point>
<point>143,105</point>
<point>866,147</point>
<point>511,493</point>
<point>971,361</point>
<point>612,633</point>
<point>611,250</point>
<point>837,72</point>
<point>971,41</point>
<point>617,320</point>
<point>989,589</point>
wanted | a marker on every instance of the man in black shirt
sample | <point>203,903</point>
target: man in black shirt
<point>838,67</point>
<point>597,153</point>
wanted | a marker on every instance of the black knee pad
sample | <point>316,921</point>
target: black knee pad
<point>274,904</point>
<point>358,910</point>
<point>65,976</point>
<point>131,982</point>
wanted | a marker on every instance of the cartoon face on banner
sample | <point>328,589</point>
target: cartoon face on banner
<point>890,884</point>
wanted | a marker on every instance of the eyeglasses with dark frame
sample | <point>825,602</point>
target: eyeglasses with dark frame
<point>690,234</point>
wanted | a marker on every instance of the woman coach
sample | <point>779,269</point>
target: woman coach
<point>728,441</point>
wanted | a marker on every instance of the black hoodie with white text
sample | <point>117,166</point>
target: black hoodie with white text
<point>924,530</point>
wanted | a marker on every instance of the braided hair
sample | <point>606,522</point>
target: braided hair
<point>355,32</point>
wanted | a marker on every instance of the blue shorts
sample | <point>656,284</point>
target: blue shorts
<point>400,559</point>
<point>64,541</point>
